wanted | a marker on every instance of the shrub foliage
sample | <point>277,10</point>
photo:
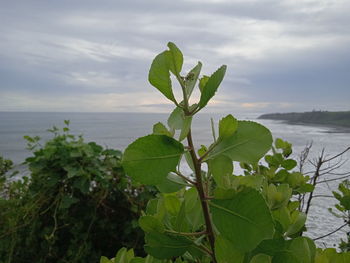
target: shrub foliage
<point>76,205</point>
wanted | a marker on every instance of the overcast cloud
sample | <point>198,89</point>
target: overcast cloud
<point>282,55</point>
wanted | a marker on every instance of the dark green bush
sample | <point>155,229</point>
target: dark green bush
<point>76,205</point>
<point>5,165</point>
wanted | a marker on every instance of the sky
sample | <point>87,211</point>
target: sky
<point>94,56</point>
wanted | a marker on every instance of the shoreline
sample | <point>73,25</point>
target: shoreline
<point>338,122</point>
<point>334,128</point>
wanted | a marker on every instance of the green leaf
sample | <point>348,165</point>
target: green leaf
<point>253,181</point>
<point>245,219</point>
<point>271,247</point>
<point>289,164</point>
<point>227,126</point>
<point>280,144</point>
<point>176,119</point>
<point>189,160</point>
<point>105,260</point>
<point>297,252</point>
<point>202,150</point>
<point>345,202</point>
<point>149,159</point>
<point>248,144</point>
<point>160,129</point>
<point>82,183</point>
<point>181,224</point>
<point>305,188</point>
<point>211,86</point>
<point>151,224</point>
<point>159,75</point>
<point>151,208</point>
<point>298,223</point>
<point>124,255</point>
<point>67,201</point>
<point>164,246</point>
<point>186,126</point>
<point>282,215</point>
<point>261,258</point>
<point>193,207</point>
<point>278,196</point>
<point>191,79</point>
<point>176,59</point>
<point>224,193</point>
<point>312,248</point>
<point>204,79</point>
<point>172,183</point>
<point>172,204</point>
<point>220,167</point>
<point>225,251</point>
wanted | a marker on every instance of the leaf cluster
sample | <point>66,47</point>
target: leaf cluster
<point>76,204</point>
<point>5,165</point>
<point>343,209</point>
<point>214,214</point>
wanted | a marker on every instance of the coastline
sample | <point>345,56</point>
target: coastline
<point>334,128</point>
<point>339,122</point>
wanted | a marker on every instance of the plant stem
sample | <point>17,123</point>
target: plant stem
<point>185,178</point>
<point>202,196</point>
<point>186,233</point>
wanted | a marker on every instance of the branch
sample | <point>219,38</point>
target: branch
<point>330,196</point>
<point>202,196</point>
<point>334,179</point>
<point>314,180</point>
<point>336,156</point>
<point>330,233</point>
<point>185,178</point>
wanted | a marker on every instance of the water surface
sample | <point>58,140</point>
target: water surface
<point>117,130</point>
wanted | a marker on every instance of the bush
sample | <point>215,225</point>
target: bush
<point>76,205</point>
<point>5,165</point>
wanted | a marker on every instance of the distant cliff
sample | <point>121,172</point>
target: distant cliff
<point>339,118</point>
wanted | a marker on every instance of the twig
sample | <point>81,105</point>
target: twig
<point>334,179</point>
<point>314,180</point>
<point>330,196</point>
<point>330,233</point>
<point>185,178</point>
<point>336,156</point>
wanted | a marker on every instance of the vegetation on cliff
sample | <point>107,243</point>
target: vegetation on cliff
<point>339,118</point>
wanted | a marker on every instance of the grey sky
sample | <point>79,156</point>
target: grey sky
<point>282,55</point>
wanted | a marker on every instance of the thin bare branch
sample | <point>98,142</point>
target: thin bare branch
<point>334,179</point>
<point>330,233</point>
<point>337,155</point>
<point>328,196</point>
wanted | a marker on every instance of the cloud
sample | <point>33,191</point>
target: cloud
<point>92,102</point>
<point>281,54</point>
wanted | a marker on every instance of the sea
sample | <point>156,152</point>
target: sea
<point>118,130</point>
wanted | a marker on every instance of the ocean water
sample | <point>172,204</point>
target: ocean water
<point>117,130</point>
